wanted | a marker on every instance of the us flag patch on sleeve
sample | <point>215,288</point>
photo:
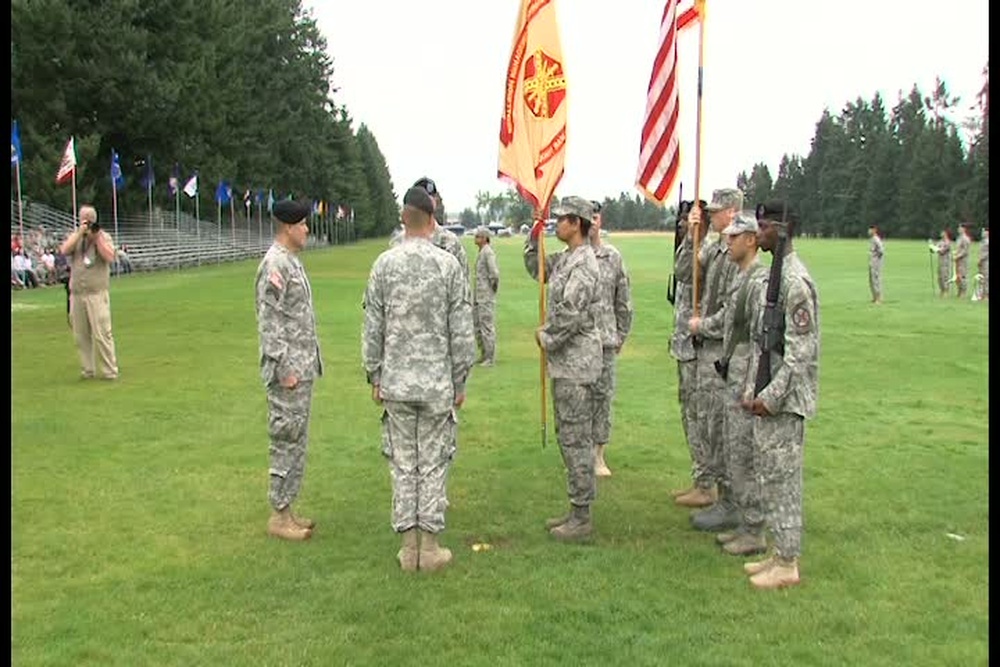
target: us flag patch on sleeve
<point>275,279</point>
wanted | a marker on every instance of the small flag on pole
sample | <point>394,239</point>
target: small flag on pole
<point>68,165</point>
<point>15,144</point>
<point>174,182</point>
<point>148,179</point>
<point>117,177</point>
<point>191,187</point>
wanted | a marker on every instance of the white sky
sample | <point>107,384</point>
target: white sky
<point>427,79</point>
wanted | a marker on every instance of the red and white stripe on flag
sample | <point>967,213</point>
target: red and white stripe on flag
<point>659,151</point>
<point>68,164</point>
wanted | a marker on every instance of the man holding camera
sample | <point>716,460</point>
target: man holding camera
<point>91,252</point>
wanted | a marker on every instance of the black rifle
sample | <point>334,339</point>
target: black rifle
<point>773,339</point>
<point>678,239</point>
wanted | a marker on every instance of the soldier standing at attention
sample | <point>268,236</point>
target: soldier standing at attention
<point>615,323</point>
<point>789,330</point>
<point>962,259</point>
<point>875,254</point>
<point>289,363</point>
<point>984,264</point>
<point>441,237</point>
<point>707,326</point>
<point>737,444</point>
<point>485,298</point>
<point>417,347</point>
<point>572,344</point>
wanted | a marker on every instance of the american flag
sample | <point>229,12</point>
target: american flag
<point>68,165</point>
<point>659,151</point>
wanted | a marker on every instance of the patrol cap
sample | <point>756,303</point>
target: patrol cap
<point>290,211</point>
<point>428,185</point>
<point>420,199</point>
<point>743,223</point>
<point>726,198</point>
<point>596,205</point>
<point>775,209</point>
<point>578,206</point>
<point>482,231</point>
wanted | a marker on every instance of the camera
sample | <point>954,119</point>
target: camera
<point>94,226</point>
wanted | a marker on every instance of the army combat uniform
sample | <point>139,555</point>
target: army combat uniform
<point>484,303</point>
<point>875,255</point>
<point>289,346</point>
<point>614,325</point>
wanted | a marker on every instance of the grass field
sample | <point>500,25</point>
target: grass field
<point>139,507</point>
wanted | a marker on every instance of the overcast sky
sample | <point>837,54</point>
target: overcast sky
<point>427,79</point>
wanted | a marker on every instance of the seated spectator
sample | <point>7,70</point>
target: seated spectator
<point>21,263</point>
<point>49,264</point>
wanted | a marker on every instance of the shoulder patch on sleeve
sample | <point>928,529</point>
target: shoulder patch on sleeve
<point>274,277</point>
<point>802,318</point>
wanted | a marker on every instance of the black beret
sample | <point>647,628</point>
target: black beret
<point>290,211</point>
<point>419,198</point>
<point>687,205</point>
<point>776,210</point>
<point>597,206</point>
<point>429,186</point>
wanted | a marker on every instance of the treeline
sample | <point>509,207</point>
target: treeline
<point>904,168</point>
<point>240,92</point>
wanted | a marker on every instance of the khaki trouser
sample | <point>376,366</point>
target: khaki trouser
<point>90,315</point>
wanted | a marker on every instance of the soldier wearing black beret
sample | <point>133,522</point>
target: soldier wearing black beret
<point>787,329</point>
<point>290,361</point>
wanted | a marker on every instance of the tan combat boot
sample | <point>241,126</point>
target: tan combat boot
<point>727,536</point>
<point>281,525</point>
<point>677,493</point>
<point>301,521</point>
<point>699,497</point>
<point>746,544</point>
<point>601,468</point>
<point>756,567</point>
<point>783,572</point>
<point>577,527</point>
<point>409,554</point>
<point>432,555</point>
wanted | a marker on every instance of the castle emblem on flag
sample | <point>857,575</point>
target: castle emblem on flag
<point>544,84</point>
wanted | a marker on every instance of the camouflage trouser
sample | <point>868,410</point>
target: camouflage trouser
<point>485,328</point>
<point>984,271</point>
<point>687,379</point>
<point>737,446</point>
<point>961,277</point>
<point>288,426</point>
<point>944,275</point>
<point>419,440</point>
<point>875,279</point>
<point>778,441</point>
<point>604,393</point>
<point>710,408</point>
<point>573,403</point>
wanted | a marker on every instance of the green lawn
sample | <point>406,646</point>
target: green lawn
<point>139,507</point>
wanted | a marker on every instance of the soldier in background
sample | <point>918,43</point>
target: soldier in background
<point>781,407</point>
<point>962,259</point>
<point>984,265</point>
<point>485,298</point>
<point>876,252</point>
<point>440,236</point>
<point>943,250</point>
<point>290,361</point>
<point>417,348</point>
<point>572,344</point>
<point>615,323</point>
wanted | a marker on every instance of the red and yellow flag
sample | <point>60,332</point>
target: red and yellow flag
<point>533,127</point>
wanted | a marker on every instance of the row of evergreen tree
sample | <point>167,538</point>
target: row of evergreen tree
<point>239,91</point>
<point>913,170</point>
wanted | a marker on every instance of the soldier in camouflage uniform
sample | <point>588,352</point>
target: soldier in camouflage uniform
<point>683,350</point>
<point>485,298</point>
<point>737,445</point>
<point>984,265</point>
<point>962,259</point>
<point>875,254</point>
<point>781,407</point>
<point>615,323</point>
<point>572,344</point>
<point>943,250</point>
<point>718,279</point>
<point>441,237</point>
<point>289,363</point>
<point>417,348</point>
